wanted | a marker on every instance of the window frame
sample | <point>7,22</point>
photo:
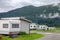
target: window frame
<point>5,25</point>
<point>15,26</point>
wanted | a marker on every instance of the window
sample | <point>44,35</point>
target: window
<point>34,26</point>
<point>5,25</point>
<point>43,27</point>
<point>31,26</point>
<point>15,25</point>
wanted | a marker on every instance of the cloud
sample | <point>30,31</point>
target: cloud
<point>54,16</point>
<point>7,5</point>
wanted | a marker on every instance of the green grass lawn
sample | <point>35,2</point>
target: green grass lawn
<point>47,30</point>
<point>58,29</point>
<point>34,31</point>
<point>32,36</point>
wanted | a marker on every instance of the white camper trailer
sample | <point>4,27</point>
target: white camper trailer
<point>14,25</point>
<point>51,28</point>
<point>43,27</point>
<point>33,26</point>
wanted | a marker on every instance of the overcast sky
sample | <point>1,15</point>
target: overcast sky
<point>6,5</point>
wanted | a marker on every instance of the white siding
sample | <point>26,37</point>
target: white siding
<point>14,22</point>
<point>9,29</point>
<point>4,30</point>
<point>25,26</point>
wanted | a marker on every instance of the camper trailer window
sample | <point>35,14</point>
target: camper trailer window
<point>43,27</point>
<point>34,26</point>
<point>15,25</point>
<point>5,25</point>
<point>31,26</point>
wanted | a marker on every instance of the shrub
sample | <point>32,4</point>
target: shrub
<point>22,33</point>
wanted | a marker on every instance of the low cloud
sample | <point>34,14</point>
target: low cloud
<point>7,5</point>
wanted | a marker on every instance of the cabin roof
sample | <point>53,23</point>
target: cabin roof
<point>16,18</point>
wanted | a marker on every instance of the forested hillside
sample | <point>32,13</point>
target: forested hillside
<point>48,14</point>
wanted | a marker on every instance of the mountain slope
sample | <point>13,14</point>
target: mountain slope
<point>48,14</point>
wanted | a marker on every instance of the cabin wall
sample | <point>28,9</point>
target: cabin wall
<point>4,30</point>
<point>14,22</point>
<point>25,27</point>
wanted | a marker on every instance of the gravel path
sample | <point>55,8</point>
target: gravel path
<point>50,36</point>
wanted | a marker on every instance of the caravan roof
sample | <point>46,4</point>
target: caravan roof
<point>16,18</point>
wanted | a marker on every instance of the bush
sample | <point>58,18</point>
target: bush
<point>22,33</point>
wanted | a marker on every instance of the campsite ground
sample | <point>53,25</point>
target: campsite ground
<point>49,35</point>
<point>35,34</point>
<point>31,36</point>
<point>34,31</point>
<point>57,30</point>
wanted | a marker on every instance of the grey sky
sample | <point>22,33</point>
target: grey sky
<point>6,5</point>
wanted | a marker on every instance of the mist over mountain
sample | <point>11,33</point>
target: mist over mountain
<point>48,14</point>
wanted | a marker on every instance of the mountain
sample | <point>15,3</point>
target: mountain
<point>48,14</point>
